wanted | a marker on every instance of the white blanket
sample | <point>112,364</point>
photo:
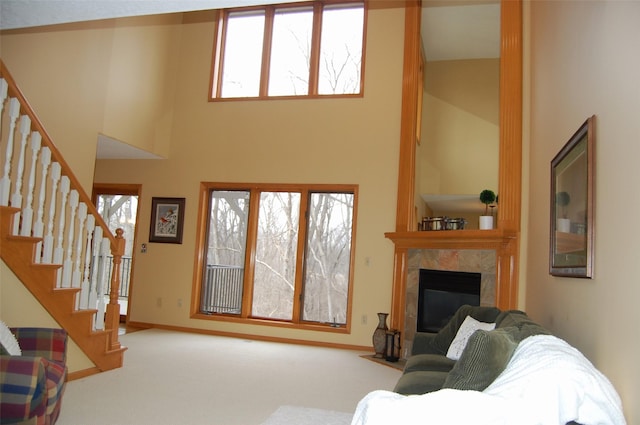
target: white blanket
<point>546,382</point>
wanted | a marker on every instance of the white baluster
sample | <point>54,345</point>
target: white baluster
<point>38,227</point>
<point>4,88</point>
<point>5,182</point>
<point>85,286</point>
<point>96,268</point>
<point>16,198</point>
<point>47,255</point>
<point>67,266</point>
<point>27,212</point>
<point>101,285</point>
<point>75,277</point>
<point>58,253</point>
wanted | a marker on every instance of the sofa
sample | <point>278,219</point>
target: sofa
<point>32,380</point>
<point>488,366</point>
<point>429,369</point>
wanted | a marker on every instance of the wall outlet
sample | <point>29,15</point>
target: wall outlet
<point>159,302</point>
<point>363,320</point>
<point>179,302</point>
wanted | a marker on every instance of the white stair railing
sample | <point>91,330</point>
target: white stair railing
<point>75,235</point>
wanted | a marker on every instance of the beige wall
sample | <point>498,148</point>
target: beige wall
<point>583,62</point>
<point>312,141</point>
<point>459,150</point>
<point>114,77</point>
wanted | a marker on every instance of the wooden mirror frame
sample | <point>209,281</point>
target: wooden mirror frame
<point>571,250</point>
<point>504,239</point>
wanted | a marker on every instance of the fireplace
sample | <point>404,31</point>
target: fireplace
<point>441,293</point>
<point>481,261</point>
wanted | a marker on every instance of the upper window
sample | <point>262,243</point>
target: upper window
<point>292,50</point>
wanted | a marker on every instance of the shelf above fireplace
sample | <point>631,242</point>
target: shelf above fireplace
<point>452,239</point>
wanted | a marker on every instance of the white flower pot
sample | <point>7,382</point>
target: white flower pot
<point>563,225</point>
<point>486,222</point>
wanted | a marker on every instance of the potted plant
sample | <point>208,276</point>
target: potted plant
<point>487,197</point>
<point>562,200</point>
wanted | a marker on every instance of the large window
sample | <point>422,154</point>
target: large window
<point>299,49</point>
<point>276,254</point>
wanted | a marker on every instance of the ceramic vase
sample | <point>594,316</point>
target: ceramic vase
<point>563,225</point>
<point>486,222</point>
<point>380,336</point>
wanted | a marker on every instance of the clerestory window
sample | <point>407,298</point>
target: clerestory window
<point>308,49</point>
<point>277,254</point>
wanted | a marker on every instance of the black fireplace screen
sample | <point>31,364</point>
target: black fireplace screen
<point>441,293</point>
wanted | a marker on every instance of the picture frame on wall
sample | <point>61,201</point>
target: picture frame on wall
<point>167,220</point>
<point>571,251</point>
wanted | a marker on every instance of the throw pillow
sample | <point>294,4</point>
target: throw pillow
<point>487,354</point>
<point>468,327</point>
<point>8,341</point>
<point>443,339</point>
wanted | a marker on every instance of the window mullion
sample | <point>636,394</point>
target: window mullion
<point>218,59</point>
<point>250,258</point>
<point>266,51</point>
<point>314,60</point>
<point>298,294</point>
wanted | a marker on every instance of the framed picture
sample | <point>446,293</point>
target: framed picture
<point>167,220</point>
<point>572,199</point>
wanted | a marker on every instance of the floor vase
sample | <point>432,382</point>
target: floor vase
<point>380,335</point>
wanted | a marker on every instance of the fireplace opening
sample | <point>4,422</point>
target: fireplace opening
<point>441,293</point>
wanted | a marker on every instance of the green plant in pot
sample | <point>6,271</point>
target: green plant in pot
<point>487,197</point>
<point>562,200</point>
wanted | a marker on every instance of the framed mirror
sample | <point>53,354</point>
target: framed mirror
<point>572,199</point>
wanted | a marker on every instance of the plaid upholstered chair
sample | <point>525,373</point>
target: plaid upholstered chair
<point>32,384</point>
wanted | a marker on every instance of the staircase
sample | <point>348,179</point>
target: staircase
<point>51,235</point>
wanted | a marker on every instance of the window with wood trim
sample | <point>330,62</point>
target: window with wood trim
<point>278,254</point>
<point>308,49</point>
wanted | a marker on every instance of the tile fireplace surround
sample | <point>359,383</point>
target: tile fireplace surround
<point>463,260</point>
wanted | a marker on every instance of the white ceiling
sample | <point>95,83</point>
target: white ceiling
<point>32,13</point>
<point>451,30</point>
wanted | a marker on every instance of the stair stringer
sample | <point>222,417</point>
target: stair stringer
<point>40,279</point>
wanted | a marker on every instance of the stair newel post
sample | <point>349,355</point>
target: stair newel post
<point>5,182</point>
<point>27,212</point>
<point>38,226</point>
<point>113,308</point>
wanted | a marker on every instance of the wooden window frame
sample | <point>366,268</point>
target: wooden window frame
<point>245,316</point>
<point>217,63</point>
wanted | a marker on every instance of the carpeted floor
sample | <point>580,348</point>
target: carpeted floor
<point>177,378</point>
<point>295,415</point>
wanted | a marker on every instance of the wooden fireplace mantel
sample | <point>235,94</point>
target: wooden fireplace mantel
<point>452,239</point>
<point>504,243</point>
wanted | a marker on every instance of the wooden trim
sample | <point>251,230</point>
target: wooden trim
<point>405,212</point>
<point>79,374</point>
<point>510,163</point>
<point>296,321</point>
<point>123,189</point>
<point>255,337</point>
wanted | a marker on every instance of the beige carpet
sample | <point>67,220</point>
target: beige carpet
<point>179,378</point>
<point>295,415</point>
